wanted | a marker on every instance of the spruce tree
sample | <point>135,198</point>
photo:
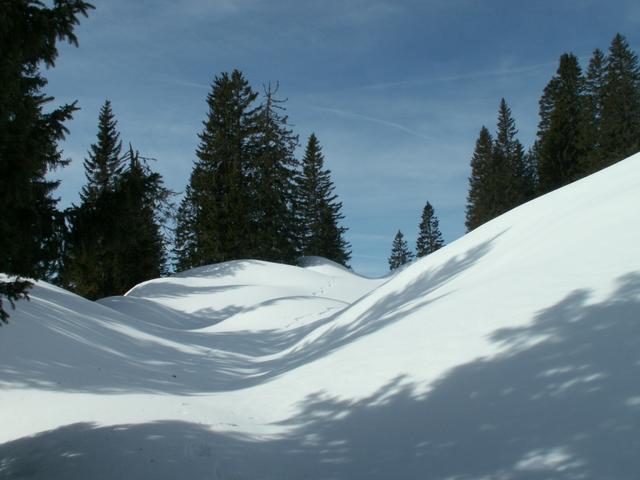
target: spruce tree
<point>620,121</point>
<point>511,182</point>
<point>480,201</point>
<point>89,264</point>
<point>215,218</point>
<point>104,164</point>
<point>429,236</point>
<point>400,253</point>
<point>590,125</point>
<point>29,135</point>
<point>142,207</point>
<point>559,131</point>
<point>186,248</point>
<point>501,172</point>
<point>114,239</point>
<point>273,172</point>
<point>319,211</point>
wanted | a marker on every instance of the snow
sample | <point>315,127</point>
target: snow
<point>513,353</point>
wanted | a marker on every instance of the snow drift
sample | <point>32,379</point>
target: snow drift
<point>513,353</point>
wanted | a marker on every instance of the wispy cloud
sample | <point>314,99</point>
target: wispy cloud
<point>494,73</point>
<point>184,83</point>
<point>379,121</point>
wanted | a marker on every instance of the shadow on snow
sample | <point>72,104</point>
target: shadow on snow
<point>107,359</point>
<point>564,407</point>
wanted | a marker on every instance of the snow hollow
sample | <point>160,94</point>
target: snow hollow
<point>512,353</point>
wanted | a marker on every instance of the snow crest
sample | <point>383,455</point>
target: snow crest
<point>511,353</point>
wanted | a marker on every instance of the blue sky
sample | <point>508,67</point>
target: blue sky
<point>396,91</point>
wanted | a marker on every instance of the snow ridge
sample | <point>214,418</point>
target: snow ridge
<point>511,353</point>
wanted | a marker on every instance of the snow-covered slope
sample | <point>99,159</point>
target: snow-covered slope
<point>513,353</point>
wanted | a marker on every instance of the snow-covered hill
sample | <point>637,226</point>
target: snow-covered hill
<point>513,353</point>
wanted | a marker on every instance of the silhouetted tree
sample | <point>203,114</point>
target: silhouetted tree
<point>620,121</point>
<point>30,225</point>
<point>319,210</point>
<point>273,172</point>
<point>400,253</point>
<point>429,236</point>
<point>215,218</point>
<point>480,198</point>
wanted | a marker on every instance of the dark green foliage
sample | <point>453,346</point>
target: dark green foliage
<point>560,147</point>
<point>272,176</point>
<point>590,133</point>
<point>114,239</point>
<point>215,218</point>
<point>400,253</point>
<point>620,120</point>
<point>319,210</point>
<point>104,164</point>
<point>480,197</point>
<point>587,122</point>
<point>501,173</point>
<point>511,176</point>
<point>186,248</point>
<point>142,208</point>
<point>29,135</point>
<point>429,236</point>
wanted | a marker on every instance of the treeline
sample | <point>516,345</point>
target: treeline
<point>588,121</point>
<point>248,196</point>
<point>429,240</point>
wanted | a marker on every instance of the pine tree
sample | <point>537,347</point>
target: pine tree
<point>29,134</point>
<point>400,253</point>
<point>142,207</point>
<point>186,238</point>
<point>429,236</point>
<point>480,201</point>
<point>590,124</point>
<point>620,121</point>
<point>89,264</point>
<point>501,173</point>
<point>559,131</point>
<point>531,162</point>
<point>319,211</point>
<point>511,179</point>
<point>114,239</point>
<point>215,218</point>
<point>104,164</point>
<point>273,173</point>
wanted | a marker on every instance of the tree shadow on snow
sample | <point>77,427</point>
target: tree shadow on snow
<point>106,359</point>
<point>561,402</point>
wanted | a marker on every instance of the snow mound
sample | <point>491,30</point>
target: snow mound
<point>325,266</point>
<point>512,353</point>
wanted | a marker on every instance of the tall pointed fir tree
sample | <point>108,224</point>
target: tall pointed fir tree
<point>215,217</point>
<point>319,211</point>
<point>142,207</point>
<point>512,180</point>
<point>620,121</point>
<point>502,176</point>
<point>89,267</point>
<point>115,239</point>
<point>400,253</point>
<point>559,131</point>
<point>480,198</point>
<point>273,172</point>
<point>590,124</point>
<point>30,225</point>
<point>104,164</point>
<point>429,236</point>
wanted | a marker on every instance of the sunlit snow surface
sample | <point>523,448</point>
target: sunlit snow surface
<point>513,353</point>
